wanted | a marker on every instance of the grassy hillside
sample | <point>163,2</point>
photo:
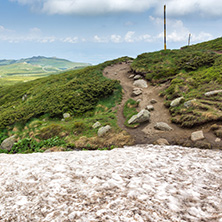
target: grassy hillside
<point>12,71</point>
<point>85,94</point>
<point>189,72</point>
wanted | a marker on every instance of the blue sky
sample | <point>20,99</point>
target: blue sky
<point>98,30</point>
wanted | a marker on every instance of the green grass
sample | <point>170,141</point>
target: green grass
<point>188,72</point>
<point>128,111</point>
<point>12,71</point>
<point>86,94</point>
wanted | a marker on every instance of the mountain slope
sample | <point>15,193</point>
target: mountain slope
<point>28,69</point>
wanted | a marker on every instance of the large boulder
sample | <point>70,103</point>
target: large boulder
<point>140,83</point>
<point>103,130</point>
<point>198,135</point>
<point>8,143</point>
<point>176,102</point>
<point>163,126</point>
<point>142,116</point>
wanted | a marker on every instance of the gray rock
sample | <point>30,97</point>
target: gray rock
<point>150,108</point>
<point>131,76</point>
<point>138,100</point>
<point>163,126</point>
<point>137,92</point>
<point>24,97</point>
<point>103,130</point>
<point>136,77</point>
<point>217,140</point>
<point>162,142</point>
<point>140,83</point>
<point>8,143</point>
<point>142,116</point>
<point>213,93</point>
<point>66,115</point>
<point>153,101</point>
<point>96,125</point>
<point>198,135</point>
<point>176,101</point>
<point>189,103</point>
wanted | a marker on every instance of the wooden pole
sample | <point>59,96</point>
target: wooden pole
<point>164,27</point>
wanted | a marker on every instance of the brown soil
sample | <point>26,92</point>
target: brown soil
<point>146,132</point>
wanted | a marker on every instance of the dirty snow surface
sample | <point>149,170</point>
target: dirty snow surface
<point>139,183</point>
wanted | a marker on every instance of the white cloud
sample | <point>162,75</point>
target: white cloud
<point>94,7</point>
<point>70,39</point>
<point>129,37</point>
<point>116,38</point>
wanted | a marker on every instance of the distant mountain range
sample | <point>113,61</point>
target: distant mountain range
<point>37,65</point>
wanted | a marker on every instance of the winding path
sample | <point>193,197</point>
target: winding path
<point>146,132</point>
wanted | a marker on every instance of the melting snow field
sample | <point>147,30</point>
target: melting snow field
<point>140,183</point>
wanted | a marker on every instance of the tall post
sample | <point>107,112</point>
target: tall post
<point>189,39</point>
<point>164,27</point>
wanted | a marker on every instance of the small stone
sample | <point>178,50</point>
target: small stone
<point>138,100</point>
<point>66,115</point>
<point>96,125</point>
<point>140,83</point>
<point>137,92</point>
<point>150,108</point>
<point>198,135</point>
<point>131,76</point>
<point>217,140</point>
<point>189,103</point>
<point>218,133</point>
<point>153,101</point>
<point>103,130</point>
<point>137,77</point>
<point>162,142</point>
<point>176,102</point>
<point>163,126</point>
<point>8,143</point>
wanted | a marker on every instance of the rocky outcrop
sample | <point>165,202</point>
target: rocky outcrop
<point>198,135</point>
<point>142,116</point>
<point>176,102</point>
<point>103,130</point>
<point>8,143</point>
<point>163,126</point>
<point>140,83</point>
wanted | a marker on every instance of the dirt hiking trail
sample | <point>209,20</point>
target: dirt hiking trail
<point>146,132</point>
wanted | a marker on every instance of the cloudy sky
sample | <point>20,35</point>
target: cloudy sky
<point>98,30</point>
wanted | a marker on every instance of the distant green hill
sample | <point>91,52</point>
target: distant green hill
<point>12,71</point>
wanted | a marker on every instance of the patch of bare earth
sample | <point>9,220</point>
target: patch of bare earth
<point>146,132</point>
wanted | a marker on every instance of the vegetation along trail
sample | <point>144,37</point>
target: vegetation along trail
<point>146,133</point>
